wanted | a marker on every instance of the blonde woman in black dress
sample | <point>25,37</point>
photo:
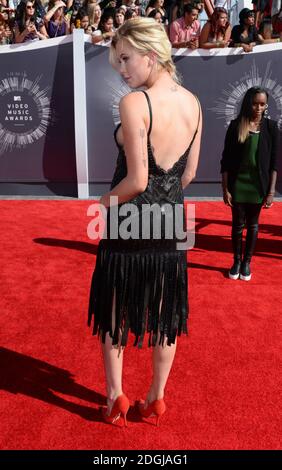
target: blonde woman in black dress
<point>140,283</point>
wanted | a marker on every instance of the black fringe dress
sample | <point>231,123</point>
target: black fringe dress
<point>140,285</point>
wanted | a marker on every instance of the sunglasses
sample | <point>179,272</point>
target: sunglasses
<point>30,7</point>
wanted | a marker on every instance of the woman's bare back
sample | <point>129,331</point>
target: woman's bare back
<point>175,114</point>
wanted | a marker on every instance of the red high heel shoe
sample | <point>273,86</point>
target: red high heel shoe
<point>155,408</point>
<point>120,407</point>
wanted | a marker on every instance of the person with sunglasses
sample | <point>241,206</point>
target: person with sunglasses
<point>28,26</point>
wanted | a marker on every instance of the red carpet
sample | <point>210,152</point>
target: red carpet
<point>225,388</point>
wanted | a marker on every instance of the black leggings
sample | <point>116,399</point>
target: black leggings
<point>245,214</point>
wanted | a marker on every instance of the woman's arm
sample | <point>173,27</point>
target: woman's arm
<point>260,39</point>
<point>272,183</point>
<point>133,120</point>
<point>193,159</point>
<point>67,22</point>
<point>51,12</point>
<point>204,44</point>
<point>227,36</point>
<point>228,143</point>
<point>148,10</point>
<point>245,47</point>
<point>209,7</point>
<point>42,33</point>
<point>268,200</point>
<point>204,36</point>
<point>271,41</point>
<point>19,37</point>
<point>174,13</point>
<point>226,194</point>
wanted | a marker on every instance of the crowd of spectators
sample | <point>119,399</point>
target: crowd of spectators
<point>33,20</point>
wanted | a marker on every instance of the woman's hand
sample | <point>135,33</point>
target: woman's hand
<point>30,28</point>
<point>268,201</point>
<point>227,198</point>
<point>225,43</point>
<point>247,47</point>
<point>59,4</point>
<point>108,35</point>
<point>7,33</point>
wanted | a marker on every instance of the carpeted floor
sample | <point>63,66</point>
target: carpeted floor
<point>224,391</point>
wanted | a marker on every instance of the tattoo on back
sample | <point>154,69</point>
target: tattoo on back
<point>142,135</point>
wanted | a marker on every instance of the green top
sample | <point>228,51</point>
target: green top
<point>247,186</point>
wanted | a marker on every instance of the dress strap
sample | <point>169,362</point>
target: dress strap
<point>150,111</point>
<point>196,131</point>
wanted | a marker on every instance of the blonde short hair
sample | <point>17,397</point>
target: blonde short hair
<point>146,35</point>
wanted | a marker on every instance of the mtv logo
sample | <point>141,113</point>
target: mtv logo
<point>17,98</point>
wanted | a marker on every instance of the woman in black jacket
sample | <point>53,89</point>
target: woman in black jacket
<point>249,171</point>
<point>245,34</point>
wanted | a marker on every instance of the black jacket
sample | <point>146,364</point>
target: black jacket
<point>267,152</point>
<point>236,37</point>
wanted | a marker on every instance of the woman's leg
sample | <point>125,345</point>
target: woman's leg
<point>238,222</point>
<point>252,217</point>
<point>113,362</point>
<point>162,358</point>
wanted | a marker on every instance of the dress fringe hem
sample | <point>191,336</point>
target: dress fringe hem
<point>141,293</point>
